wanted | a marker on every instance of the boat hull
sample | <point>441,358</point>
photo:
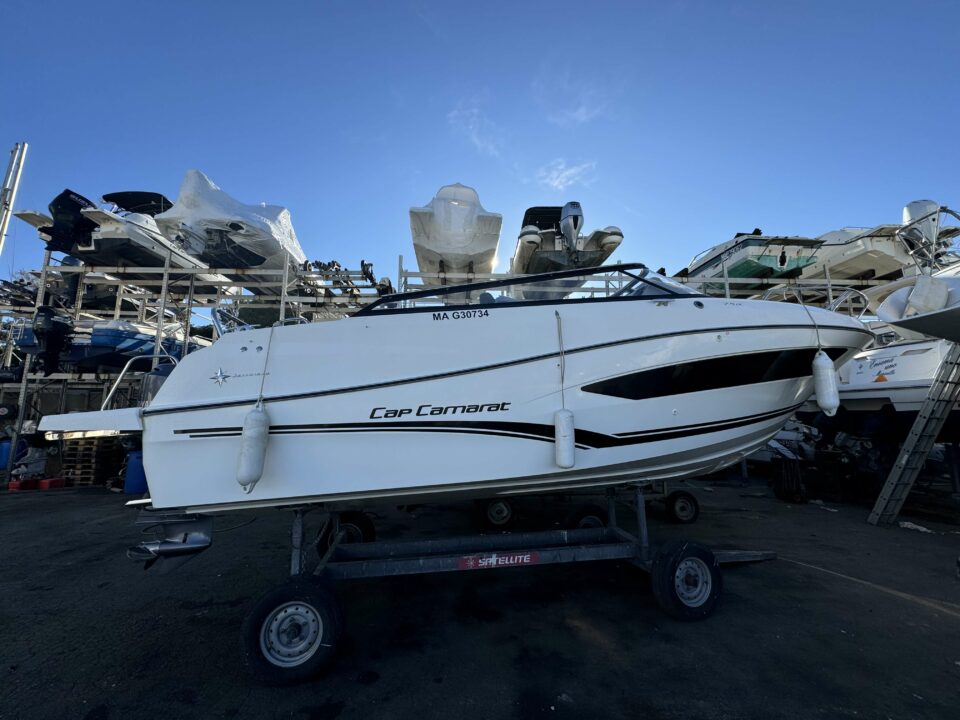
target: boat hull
<point>882,391</point>
<point>463,402</point>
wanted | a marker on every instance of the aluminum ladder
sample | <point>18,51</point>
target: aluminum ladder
<point>941,399</point>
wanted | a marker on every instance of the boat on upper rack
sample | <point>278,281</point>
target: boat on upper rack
<point>752,255</point>
<point>61,343</point>
<point>886,251</point>
<point>631,376</point>
<point>551,240</point>
<point>928,302</point>
<point>454,234</point>
<point>124,236</point>
<point>226,233</point>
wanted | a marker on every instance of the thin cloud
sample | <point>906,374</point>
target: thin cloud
<point>469,120</point>
<point>559,176</point>
<point>569,101</point>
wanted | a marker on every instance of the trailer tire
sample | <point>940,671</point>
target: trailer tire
<point>682,507</point>
<point>292,632</point>
<point>586,516</point>
<point>686,580</point>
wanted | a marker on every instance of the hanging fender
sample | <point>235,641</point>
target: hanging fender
<point>564,438</point>
<point>253,447</point>
<point>825,383</point>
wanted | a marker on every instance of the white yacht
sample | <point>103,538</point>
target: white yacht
<point>457,392</point>
<point>886,251</point>
<point>111,238</point>
<point>882,390</point>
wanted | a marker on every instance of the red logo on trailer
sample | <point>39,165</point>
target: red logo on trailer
<point>495,560</point>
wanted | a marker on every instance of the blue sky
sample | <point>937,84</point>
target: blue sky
<point>681,122</point>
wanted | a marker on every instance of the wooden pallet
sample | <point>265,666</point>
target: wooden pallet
<point>91,461</point>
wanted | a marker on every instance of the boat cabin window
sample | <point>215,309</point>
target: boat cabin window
<point>615,282</point>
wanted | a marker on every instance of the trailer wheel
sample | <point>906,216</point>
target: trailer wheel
<point>686,580</point>
<point>499,513</point>
<point>292,632</point>
<point>586,516</point>
<point>682,507</point>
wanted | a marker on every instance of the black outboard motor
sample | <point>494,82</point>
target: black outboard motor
<point>70,228</point>
<point>53,336</point>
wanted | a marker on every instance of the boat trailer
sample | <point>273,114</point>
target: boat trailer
<point>293,631</point>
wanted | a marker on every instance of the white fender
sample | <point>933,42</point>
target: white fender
<point>564,438</point>
<point>825,383</point>
<point>253,447</point>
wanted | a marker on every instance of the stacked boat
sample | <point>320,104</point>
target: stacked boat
<point>204,228</point>
<point>915,317</point>
<point>456,240</point>
<point>753,261</point>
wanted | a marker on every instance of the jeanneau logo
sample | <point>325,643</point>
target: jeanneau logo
<point>221,377</point>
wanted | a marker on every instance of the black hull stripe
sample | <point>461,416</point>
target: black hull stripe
<point>485,368</point>
<point>584,439</point>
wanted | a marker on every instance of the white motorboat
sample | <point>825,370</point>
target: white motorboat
<point>753,255</point>
<point>226,233</point>
<point>466,391</point>
<point>454,234</point>
<point>111,238</point>
<point>550,240</point>
<point>882,390</point>
<point>886,251</point>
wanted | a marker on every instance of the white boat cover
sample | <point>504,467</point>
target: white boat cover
<point>263,229</point>
<point>454,228</point>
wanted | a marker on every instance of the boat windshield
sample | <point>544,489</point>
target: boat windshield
<point>584,285</point>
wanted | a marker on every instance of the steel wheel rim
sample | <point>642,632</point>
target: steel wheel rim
<point>498,512</point>
<point>291,634</point>
<point>692,582</point>
<point>683,508</point>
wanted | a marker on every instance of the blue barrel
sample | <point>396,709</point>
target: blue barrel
<point>5,451</point>
<point>135,479</point>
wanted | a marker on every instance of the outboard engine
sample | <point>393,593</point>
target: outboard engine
<point>923,234</point>
<point>71,229</point>
<point>571,223</point>
<point>52,334</point>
